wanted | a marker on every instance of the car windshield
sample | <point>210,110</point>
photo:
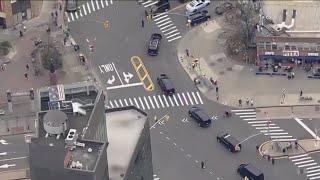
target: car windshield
<point>153,44</point>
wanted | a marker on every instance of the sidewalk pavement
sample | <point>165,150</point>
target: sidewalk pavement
<point>235,80</point>
<point>13,77</point>
<point>276,151</point>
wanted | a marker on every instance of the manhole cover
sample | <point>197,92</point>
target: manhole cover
<point>221,72</point>
<point>212,64</point>
<point>229,68</point>
<point>219,59</point>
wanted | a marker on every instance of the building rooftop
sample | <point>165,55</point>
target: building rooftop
<point>305,23</point>
<point>125,126</point>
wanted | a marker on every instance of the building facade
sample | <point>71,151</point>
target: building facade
<point>288,50</point>
<point>13,12</point>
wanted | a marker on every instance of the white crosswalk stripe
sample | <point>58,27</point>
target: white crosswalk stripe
<point>170,31</point>
<point>155,177</point>
<point>305,161</point>
<point>86,9</point>
<point>173,39</point>
<point>163,20</point>
<point>149,3</point>
<point>166,26</point>
<point>159,101</point>
<point>157,19</point>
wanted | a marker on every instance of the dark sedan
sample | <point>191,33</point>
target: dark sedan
<point>154,44</point>
<point>200,117</point>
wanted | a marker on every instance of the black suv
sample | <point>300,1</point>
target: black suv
<point>154,44</point>
<point>229,142</point>
<point>200,117</point>
<point>160,7</point>
<point>166,85</point>
<point>199,18</point>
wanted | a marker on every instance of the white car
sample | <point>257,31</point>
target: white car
<point>196,5</point>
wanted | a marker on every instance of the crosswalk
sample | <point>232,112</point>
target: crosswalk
<point>267,127</point>
<point>159,101</point>
<point>155,177</point>
<point>88,8</point>
<point>164,23</point>
<point>304,161</point>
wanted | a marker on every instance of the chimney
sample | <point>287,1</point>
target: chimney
<point>9,98</point>
<point>32,99</point>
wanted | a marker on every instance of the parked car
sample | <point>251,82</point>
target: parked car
<point>158,8</point>
<point>250,171</point>
<point>223,8</point>
<point>154,44</point>
<point>197,5</point>
<point>200,117</point>
<point>191,15</point>
<point>229,142</point>
<point>71,5</point>
<point>198,19</point>
<point>166,85</point>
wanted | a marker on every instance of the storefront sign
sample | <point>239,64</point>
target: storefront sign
<point>313,54</point>
<point>269,53</point>
<point>290,53</point>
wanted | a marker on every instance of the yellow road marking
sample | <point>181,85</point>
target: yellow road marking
<point>138,64</point>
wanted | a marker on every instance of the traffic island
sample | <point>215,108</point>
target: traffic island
<point>281,150</point>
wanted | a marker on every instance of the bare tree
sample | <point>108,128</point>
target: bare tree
<point>242,23</point>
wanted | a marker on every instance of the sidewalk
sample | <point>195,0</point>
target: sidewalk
<point>238,81</point>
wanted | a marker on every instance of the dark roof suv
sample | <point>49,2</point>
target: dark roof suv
<point>229,142</point>
<point>250,171</point>
<point>160,7</point>
<point>200,117</point>
<point>166,85</point>
<point>199,18</point>
<point>154,44</point>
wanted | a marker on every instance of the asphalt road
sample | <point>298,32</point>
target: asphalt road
<point>124,38</point>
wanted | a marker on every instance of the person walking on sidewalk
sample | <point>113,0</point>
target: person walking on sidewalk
<point>301,93</point>
<point>251,102</point>
<point>52,15</point>
<point>26,76</point>
<point>217,89</point>
<point>27,66</point>
<point>56,12</point>
<point>21,33</point>
<point>202,165</point>
<point>247,101</point>
<point>240,102</point>
<point>187,52</point>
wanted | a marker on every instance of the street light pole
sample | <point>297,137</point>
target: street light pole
<point>91,50</point>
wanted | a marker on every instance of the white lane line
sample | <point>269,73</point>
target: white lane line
<point>126,102</point>
<point>107,3</point>
<point>121,104</point>
<point>283,140</point>
<point>102,3</point>
<point>136,102</point>
<point>280,137</point>
<point>111,1</point>
<point>155,100</point>
<point>131,103</point>
<point>180,100</point>
<point>80,12</point>
<point>160,25</point>
<point>155,2</point>
<point>257,122</point>
<point>146,2</point>
<point>72,18</point>
<point>159,14</point>
<point>272,130</point>
<point>111,104</point>
<point>306,165</point>
<point>173,35</point>
<point>250,119</point>
<point>312,171</point>
<point>92,5</point>
<point>89,10</point>
<point>298,156</point>
<point>185,99</point>
<point>170,31</point>
<point>163,20</point>
<point>304,162</point>
<point>146,101</point>
<point>246,113</point>
<point>314,167</point>
<point>315,174</point>
<point>115,102</point>
<point>159,97</point>
<point>194,97</point>
<point>164,97</point>
<point>189,98</point>
<point>268,128</point>
<point>157,19</point>
<point>169,40</point>
<point>97,3</point>
<point>242,110</point>
<point>318,177</point>
<point>175,100</point>
<point>151,102</point>
<point>170,99</point>
<point>166,27</point>
<point>141,103</point>
<point>67,16</point>
<point>300,159</point>
<point>285,133</point>
<point>306,128</point>
<point>249,116</point>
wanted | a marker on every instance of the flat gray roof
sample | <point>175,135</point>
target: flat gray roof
<point>124,129</point>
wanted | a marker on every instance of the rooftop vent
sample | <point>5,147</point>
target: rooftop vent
<point>71,138</point>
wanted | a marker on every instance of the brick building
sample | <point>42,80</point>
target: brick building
<point>13,12</point>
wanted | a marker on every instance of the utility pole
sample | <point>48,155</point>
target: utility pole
<point>269,121</point>
<point>91,50</point>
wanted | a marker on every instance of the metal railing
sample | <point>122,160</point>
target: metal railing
<point>83,102</point>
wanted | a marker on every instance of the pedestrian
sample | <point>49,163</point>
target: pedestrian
<point>240,102</point>
<point>64,41</point>
<point>60,6</point>
<point>284,150</point>
<point>1,67</point>
<point>55,21</point>
<point>56,13</point>
<point>193,65</point>
<point>272,161</point>
<point>257,148</point>
<point>269,157</point>
<point>26,76</point>
<point>27,66</point>
<point>247,101</point>
<point>36,71</point>
<point>24,28</point>
<point>217,96</point>
<point>202,165</point>
<point>187,52</point>
<point>251,102</point>
<point>217,89</point>
<point>301,93</point>
<point>142,23</point>
<point>52,15</point>
<point>21,33</point>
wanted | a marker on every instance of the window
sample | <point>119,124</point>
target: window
<point>293,47</point>
<point>313,47</point>
<point>300,47</point>
<point>280,46</point>
<point>268,45</point>
<point>306,47</point>
<point>274,46</point>
<point>261,45</point>
<point>286,46</point>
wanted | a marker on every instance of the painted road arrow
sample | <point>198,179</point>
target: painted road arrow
<point>3,142</point>
<point>111,81</point>
<point>127,77</point>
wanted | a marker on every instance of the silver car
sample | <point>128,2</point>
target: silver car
<point>196,5</point>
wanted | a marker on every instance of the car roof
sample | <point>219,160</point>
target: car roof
<point>253,169</point>
<point>154,43</point>
<point>195,16</point>
<point>202,115</point>
<point>230,139</point>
